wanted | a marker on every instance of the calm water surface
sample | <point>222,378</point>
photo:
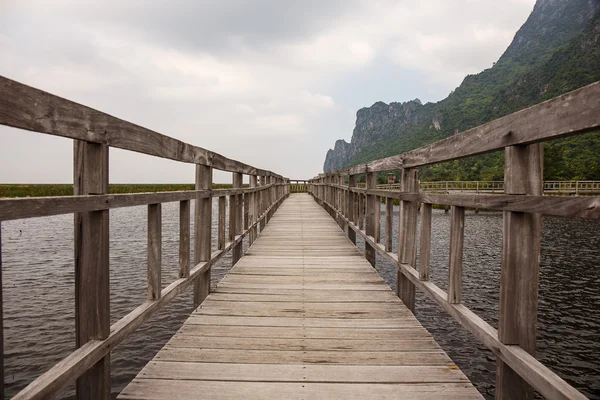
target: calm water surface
<point>39,294</point>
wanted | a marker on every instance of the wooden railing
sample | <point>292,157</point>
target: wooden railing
<point>94,133</point>
<point>566,188</point>
<point>298,186</point>
<point>519,135</point>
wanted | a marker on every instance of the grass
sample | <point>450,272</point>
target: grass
<point>45,190</point>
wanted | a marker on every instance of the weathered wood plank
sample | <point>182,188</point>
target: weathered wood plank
<point>457,232</point>
<point>221,223</point>
<point>24,107</point>
<point>407,236</point>
<point>425,242</point>
<point>184,238</point>
<point>92,290</point>
<point>235,220</point>
<point>370,217</point>
<point>519,274</point>
<point>154,251</point>
<point>202,232</point>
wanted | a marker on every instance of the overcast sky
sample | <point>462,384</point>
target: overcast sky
<point>270,83</point>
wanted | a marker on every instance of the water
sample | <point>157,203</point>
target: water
<point>39,294</point>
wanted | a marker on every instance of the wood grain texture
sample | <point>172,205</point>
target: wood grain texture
<point>202,232</point>
<point>425,242</point>
<point>184,238</point>
<point>253,209</point>
<point>370,215</point>
<point>352,207</point>
<point>221,223</point>
<point>284,314</point>
<point>457,233</point>
<point>154,251</point>
<point>24,107</point>
<point>407,236</point>
<point>235,217</point>
<point>519,274</point>
<point>1,325</point>
<point>91,244</point>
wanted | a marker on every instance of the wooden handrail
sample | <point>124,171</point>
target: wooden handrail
<point>520,136</point>
<point>94,133</point>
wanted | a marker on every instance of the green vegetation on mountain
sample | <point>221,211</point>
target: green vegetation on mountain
<point>557,50</point>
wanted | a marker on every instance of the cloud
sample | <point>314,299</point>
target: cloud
<point>254,80</point>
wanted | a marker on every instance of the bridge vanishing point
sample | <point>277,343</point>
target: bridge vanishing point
<point>303,314</point>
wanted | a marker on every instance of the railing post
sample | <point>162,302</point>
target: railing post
<point>370,224</point>
<point>221,223</point>
<point>407,241</point>
<point>184,238</point>
<point>235,218</point>
<point>425,242</point>
<point>457,231</point>
<point>389,223</point>
<point>351,207</point>
<point>262,200</point>
<point>92,290</point>
<point>154,250</point>
<point>252,206</point>
<point>519,275</point>
<point>202,231</point>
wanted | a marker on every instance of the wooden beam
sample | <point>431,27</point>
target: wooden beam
<point>351,207</point>
<point>407,236</point>
<point>457,232</point>
<point>425,242</point>
<point>154,251</point>
<point>24,107</point>
<point>370,224</point>
<point>92,290</point>
<point>202,232</point>
<point>389,223</point>
<point>184,238</point>
<point>235,220</point>
<point>253,209</point>
<point>519,275</point>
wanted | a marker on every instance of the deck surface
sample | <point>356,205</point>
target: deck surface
<point>302,315</point>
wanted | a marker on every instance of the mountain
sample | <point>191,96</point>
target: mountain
<point>555,51</point>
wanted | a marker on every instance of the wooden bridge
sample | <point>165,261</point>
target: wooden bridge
<point>304,314</point>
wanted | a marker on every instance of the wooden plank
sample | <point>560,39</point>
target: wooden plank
<point>188,389</point>
<point>519,274</point>
<point>301,373</point>
<point>24,107</point>
<point>202,232</point>
<point>154,251</point>
<point>370,217</point>
<point>339,323</point>
<point>253,207</point>
<point>457,233</point>
<point>221,223</point>
<point>425,242</point>
<point>184,238</point>
<point>407,236</point>
<point>91,244</point>
<point>389,223</point>
<point>1,325</point>
<point>576,112</point>
<point>235,220</point>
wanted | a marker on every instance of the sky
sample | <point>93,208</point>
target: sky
<point>272,83</point>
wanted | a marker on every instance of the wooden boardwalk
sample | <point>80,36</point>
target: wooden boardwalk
<point>301,315</point>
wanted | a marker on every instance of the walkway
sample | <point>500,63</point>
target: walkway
<point>302,315</point>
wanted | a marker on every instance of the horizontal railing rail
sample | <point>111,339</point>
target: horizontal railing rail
<point>94,133</point>
<point>519,135</point>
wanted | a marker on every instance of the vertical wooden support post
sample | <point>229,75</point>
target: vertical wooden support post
<point>202,232</point>
<point>519,277</point>
<point>262,199</point>
<point>351,207</point>
<point>389,223</point>
<point>184,238</point>
<point>235,218</point>
<point>370,224</point>
<point>154,250</point>
<point>361,211</point>
<point>92,289</point>
<point>457,232</point>
<point>425,250</point>
<point>253,209</point>
<point>377,218</point>
<point>221,223</point>
<point>407,240</point>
